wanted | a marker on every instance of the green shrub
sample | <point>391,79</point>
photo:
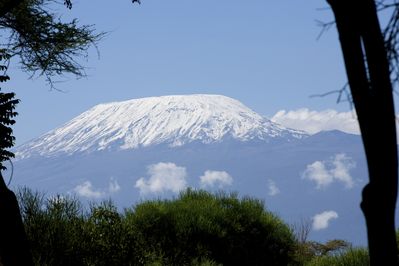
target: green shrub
<point>352,257</point>
<point>61,233</point>
<point>221,227</point>
<point>308,250</point>
<point>197,228</point>
<point>54,228</point>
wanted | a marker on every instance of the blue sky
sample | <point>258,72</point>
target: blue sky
<point>263,53</point>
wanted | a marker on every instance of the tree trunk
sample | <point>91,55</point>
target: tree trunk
<point>14,246</point>
<point>368,74</point>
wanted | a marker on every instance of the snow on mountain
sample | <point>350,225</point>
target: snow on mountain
<point>222,145</point>
<point>172,120</point>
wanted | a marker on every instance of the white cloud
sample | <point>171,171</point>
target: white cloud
<point>318,173</point>
<point>342,165</point>
<point>322,220</point>
<point>163,177</point>
<point>337,168</point>
<point>273,189</point>
<point>113,186</point>
<point>216,178</point>
<point>316,121</point>
<point>87,190</point>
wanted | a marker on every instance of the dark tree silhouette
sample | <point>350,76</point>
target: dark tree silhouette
<point>45,46</point>
<point>368,73</point>
<point>7,106</point>
<point>14,249</point>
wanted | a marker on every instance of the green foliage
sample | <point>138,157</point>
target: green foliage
<point>112,240</point>
<point>197,228</point>
<point>61,233</point>
<point>308,250</point>
<point>46,45</point>
<point>351,257</point>
<point>220,227</point>
<point>7,113</point>
<point>54,228</point>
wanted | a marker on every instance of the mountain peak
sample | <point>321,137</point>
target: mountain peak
<point>173,120</point>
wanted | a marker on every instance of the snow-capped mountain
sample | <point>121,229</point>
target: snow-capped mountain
<point>172,120</point>
<point>154,147</point>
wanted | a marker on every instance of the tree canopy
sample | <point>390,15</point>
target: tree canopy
<point>44,43</point>
<point>46,46</point>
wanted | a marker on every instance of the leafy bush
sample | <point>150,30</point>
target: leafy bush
<point>308,250</point>
<point>111,240</point>
<point>197,228</point>
<point>352,257</point>
<point>54,228</point>
<point>221,227</point>
<point>343,257</point>
<point>61,233</point>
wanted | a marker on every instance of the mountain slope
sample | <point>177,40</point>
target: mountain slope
<point>172,120</point>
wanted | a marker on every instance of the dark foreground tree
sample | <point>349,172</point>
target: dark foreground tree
<point>7,113</point>
<point>14,248</point>
<point>368,73</point>
<point>45,46</point>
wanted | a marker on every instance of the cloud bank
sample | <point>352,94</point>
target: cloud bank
<point>163,177</point>
<point>215,178</point>
<point>324,173</point>
<point>316,121</point>
<point>321,221</point>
